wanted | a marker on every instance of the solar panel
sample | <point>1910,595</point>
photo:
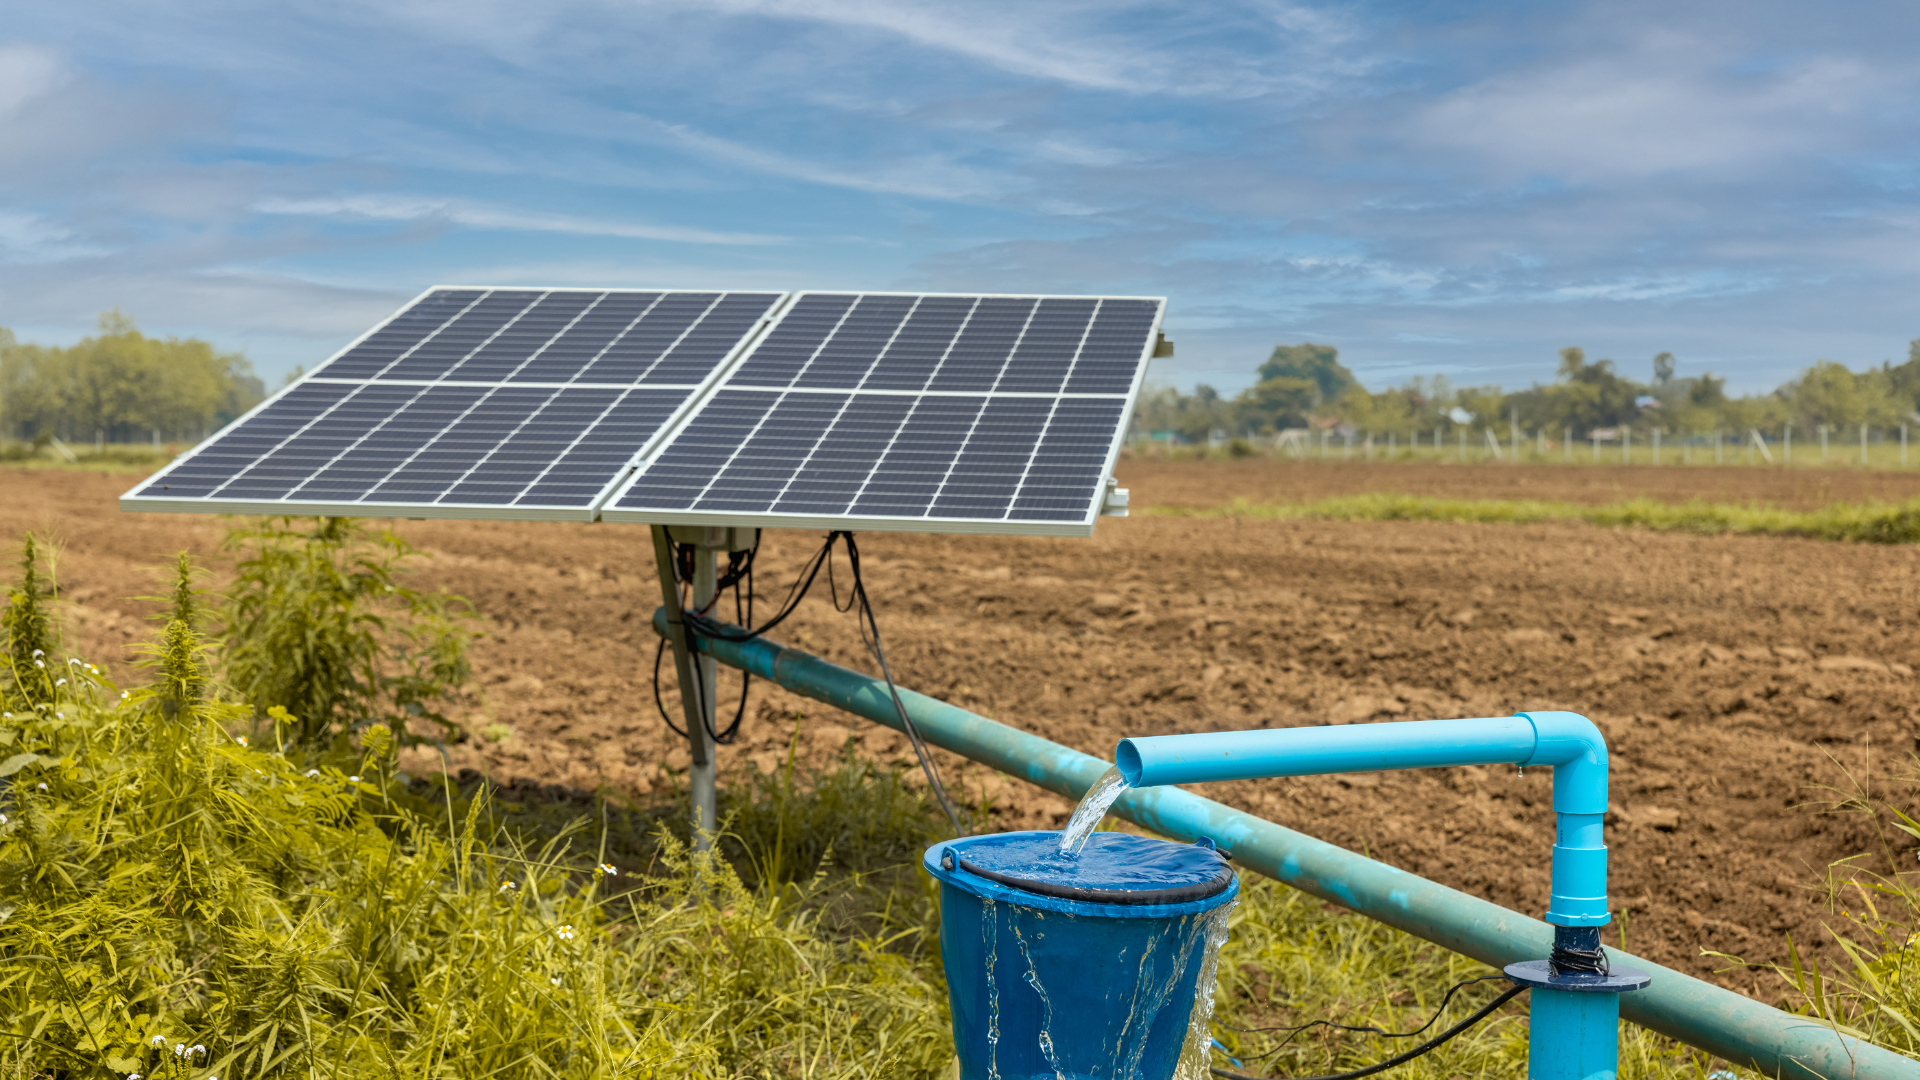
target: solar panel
<point>472,402</point>
<point>928,413</point>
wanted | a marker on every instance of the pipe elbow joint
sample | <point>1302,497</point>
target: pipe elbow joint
<point>1578,753</point>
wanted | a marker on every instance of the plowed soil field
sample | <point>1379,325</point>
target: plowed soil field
<point>1735,677</point>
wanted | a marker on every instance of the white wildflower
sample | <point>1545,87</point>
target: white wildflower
<point>201,1050</point>
<point>3,819</point>
<point>566,932</point>
<point>133,1076</point>
<point>353,779</point>
<point>125,694</point>
<point>40,663</point>
<point>555,980</point>
<point>508,886</point>
<point>42,785</point>
<point>311,773</point>
<point>159,1040</point>
<point>607,869</point>
<point>37,653</point>
<point>59,682</point>
<point>241,739</point>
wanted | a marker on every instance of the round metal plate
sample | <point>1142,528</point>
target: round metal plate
<point>1537,974</point>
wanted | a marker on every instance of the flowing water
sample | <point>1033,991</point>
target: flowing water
<point>1196,1058</point>
<point>1091,811</point>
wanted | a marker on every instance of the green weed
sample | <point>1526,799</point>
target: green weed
<point>320,623</point>
<point>180,903</point>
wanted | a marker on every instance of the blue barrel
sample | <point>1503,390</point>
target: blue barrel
<point>1076,968</point>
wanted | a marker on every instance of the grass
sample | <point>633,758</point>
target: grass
<point>1869,522</point>
<point>1841,454</point>
<point>114,457</point>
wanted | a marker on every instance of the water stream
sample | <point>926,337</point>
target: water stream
<point>1091,811</point>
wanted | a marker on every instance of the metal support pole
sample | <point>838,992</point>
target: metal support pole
<point>705,812</point>
<point>700,778</point>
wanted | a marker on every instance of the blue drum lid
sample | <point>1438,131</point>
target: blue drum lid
<point>1114,868</point>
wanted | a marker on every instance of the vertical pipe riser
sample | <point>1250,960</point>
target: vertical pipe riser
<point>1573,1036</point>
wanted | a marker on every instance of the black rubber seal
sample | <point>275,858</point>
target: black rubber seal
<point>1178,894</point>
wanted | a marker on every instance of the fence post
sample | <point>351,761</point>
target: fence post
<point>1656,446</point>
<point>1903,445</point>
<point>1626,444</point>
<point>1823,444</point>
<point>1568,445</point>
<point>1863,446</point>
<point>1786,446</point>
<point>1462,433</point>
<point>1716,446</point>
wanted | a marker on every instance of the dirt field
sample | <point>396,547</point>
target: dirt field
<point>1731,675</point>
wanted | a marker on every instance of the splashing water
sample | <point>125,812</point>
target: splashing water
<point>1196,1057</point>
<point>1091,811</point>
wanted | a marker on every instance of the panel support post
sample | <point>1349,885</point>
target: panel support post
<point>705,814</point>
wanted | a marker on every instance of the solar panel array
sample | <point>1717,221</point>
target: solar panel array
<point>937,413</point>
<point>473,403</point>
<point>852,410</point>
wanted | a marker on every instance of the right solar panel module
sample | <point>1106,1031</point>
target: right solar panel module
<point>911,412</point>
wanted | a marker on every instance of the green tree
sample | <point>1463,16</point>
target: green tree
<point>122,386</point>
<point>1319,364</point>
<point>1828,394</point>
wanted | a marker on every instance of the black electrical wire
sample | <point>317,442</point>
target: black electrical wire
<point>739,577</point>
<point>1366,1029</point>
<point>869,623</point>
<point>698,623</point>
<point>1402,1058</point>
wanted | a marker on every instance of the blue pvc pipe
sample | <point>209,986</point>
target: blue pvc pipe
<point>1679,1006</point>
<point>1567,741</point>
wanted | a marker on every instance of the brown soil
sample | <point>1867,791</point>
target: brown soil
<point>1732,675</point>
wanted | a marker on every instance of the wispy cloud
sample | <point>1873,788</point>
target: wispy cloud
<point>481,216</point>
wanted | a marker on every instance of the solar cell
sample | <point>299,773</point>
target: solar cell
<point>472,402</point>
<point>929,413</point>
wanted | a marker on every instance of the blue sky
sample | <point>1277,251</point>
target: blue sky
<point>1433,188</point>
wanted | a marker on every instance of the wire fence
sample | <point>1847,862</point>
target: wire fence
<point>1822,447</point>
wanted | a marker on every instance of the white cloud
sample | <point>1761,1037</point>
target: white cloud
<point>1664,107</point>
<point>31,238</point>
<point>481,216</point>
<point>26,73</point>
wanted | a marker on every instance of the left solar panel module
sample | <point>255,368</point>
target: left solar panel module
<point>472,403</point>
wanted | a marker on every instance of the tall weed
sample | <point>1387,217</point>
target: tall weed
<point>179,902</point>
<point>320,622</point>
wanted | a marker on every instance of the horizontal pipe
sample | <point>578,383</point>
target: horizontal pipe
<point>1677,1005</point>
<point>1153,760</point>
<point>1567,741</point>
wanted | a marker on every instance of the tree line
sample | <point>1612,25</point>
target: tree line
<point>1305,386</point>
<point>121,386</point>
